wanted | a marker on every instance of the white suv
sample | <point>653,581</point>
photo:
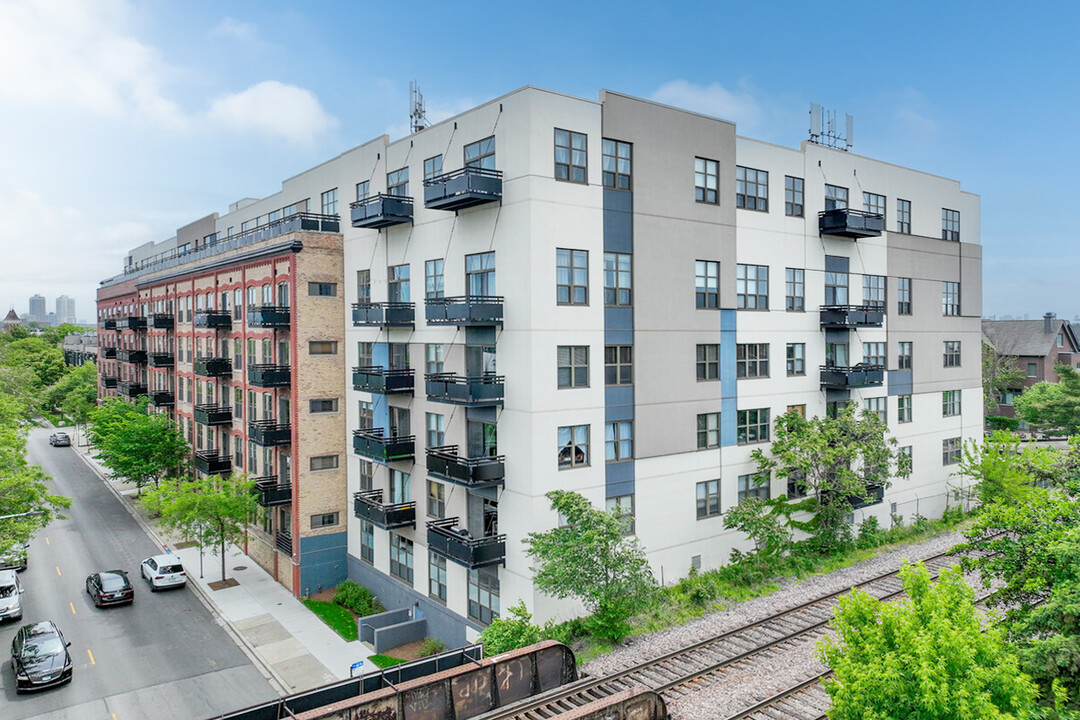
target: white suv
<point>163,571</point>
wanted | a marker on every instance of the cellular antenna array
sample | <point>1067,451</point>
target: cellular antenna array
<point>417,118</point>
<point>825,131</point>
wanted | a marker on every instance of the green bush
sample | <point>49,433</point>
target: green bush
<point>357,598</point>
<point>999,422</point>
<point>511,632</point>
<point>431,646</point>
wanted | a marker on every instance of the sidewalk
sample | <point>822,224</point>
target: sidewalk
<point>290,644</point>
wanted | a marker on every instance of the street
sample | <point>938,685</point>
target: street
<point>165,656</point>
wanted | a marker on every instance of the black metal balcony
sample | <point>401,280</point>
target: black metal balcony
<point>268,316</point>
<point>269,433</point>
<point>472,391</point>
<point>108,381</point>
<point>465,310</point>
<point>283,542</point>
<point>270,492</point>
<point>376,379</point>
<point>837,377</point>
<point>217,319</point>
<point>875,493</point>
<point>371,443</point>
<point>131,322</point>
<point>108,353</point>
<point>161,359</point>
<point>131,389</point>
<point>462,188</point>
<point>852,316</point>
<point>108,324</point>
<point>269,376</point>
<point>160,321</point>
<point>213,366</point>
<point>454,543</point>
<point>444,462</point>
<point>207,414</point>
<point>163,398</point>
<point>381,210</point>
<point>388,314</point>
<point>133,357</point>
<point>369,506</point>
<point>209,462</point>
<point>847,222</point>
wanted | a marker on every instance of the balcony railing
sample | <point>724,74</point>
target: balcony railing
<point>108,324</point>
<point>283,542</point>
<point>465,310</point>
<point>211,463</point>
<point>369,506</point>
<point>108,381</point>
<point>376,379</point>
<point>270,492</point>
<point>131,389</point>
<point>472,391</point>
<point>388,314</point>
<point>847,222</point>
<point>163,398</point>
<point>108,353</point>
<point>381,210</point>
<point>462,188</point>
<point>849,316</point>
<point>131,322</point>
<point>161,360</point>
<point>842,378</point>
<point>874,494</point>
<point>444,462</point>
<point>219,319</point>
<point>160,321</point>
<point>213,366</point>
<point>269,433</point>
<point>207,414</point>
<point>371,443</point>
<point>269,376</point>
<point>457,544</point>
<point>133,357</point>
<point>268,316</point>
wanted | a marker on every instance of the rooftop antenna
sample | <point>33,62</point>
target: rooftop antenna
<point>417,118</point>
<point>824,129</point>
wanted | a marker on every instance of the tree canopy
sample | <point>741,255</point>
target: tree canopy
<point>1053,407</point>
<point>999,373</point>
<point>1006,468</point>
<point>141,448</point>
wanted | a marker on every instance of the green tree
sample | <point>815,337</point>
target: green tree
<point>141,448</point>
<point>766,522</point>
<point>1053,407</point>
<point>74,393</point>
<point>510,633</point>
<point>44,360</point>
<point>924,657</point>
<point>593,559</point>
<point>1006,468</point>
<point>209,511</point>
<point>999,373</point>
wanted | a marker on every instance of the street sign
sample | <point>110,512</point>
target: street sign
<point>355,666</point>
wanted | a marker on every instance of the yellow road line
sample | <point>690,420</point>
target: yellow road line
<point>72,606</point>
<point>47,541</point>
<point>114,716</point>
<point>91,656</point>
<point>57,569</point>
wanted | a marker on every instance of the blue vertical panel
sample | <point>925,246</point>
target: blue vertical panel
<point>323,562</point>
<point>728,393</point>
<point>618,330</point>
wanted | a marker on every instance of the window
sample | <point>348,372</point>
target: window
<point>400,487</point>
<point>573,446</point>
<point>329,202</point>
<point>363,190</point>
<point>873,353</point>
<point>437,577</point>
<point>616,164</point>
<point>433,278</point>
<point>624,506</point>
<point>1032,370</point>
<point>751,189</point>
<point>754,485</point>
<point>950,224</point>
<point>752,360</point>
<point>903,216</point>
<point>436,499</point>
<point>836,197</point>
<point>752,426</point>
<point>325,405</point>
<point>707,284</point>
<point>323,289</point>
<point>571,276</point>
<point>401,557</point>
<point>877,406</point>
<point>322,347</point>
<point>752,287</point>
<point>397,182</point>
<point>573,366</point>
<point>363,354</point>
<point>480,274</point>
<point>708,362</point>
<point>950,403</point>
<point>796,359</point>
<point>367,542</point>
<point>708,430</point>
<point>873,291</point>
<point>706,181</point>
<point>617,279</point>
<point>794,289</point>
<point>873,203</point>
<point>324,462</point>
<point>363,287</point>
<point>708,499</point>
<point>367,474</point>
<point>951,354</point>
<point>436,430</point>
<point>836,287</point>
<point>619,365</point>
<point>324,520</point>
<point>793,196</point>
<point>903,355</point>
<point>950,298</point>
<point>950,451</point>
<point>571,156</point>
<point>398,283</point>
<point>432,167</point>
<point>434,358</point>
<point>799,410</point>
<point>903,296</point>
<point>484,594</point>
<point>366,418</point>
<point>618,441</point>
<point>903,408</point>
<point>481,154</point>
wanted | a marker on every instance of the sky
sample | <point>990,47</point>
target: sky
<point>122,121</point>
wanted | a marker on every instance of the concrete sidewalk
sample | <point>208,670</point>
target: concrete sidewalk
<point>290,644</point>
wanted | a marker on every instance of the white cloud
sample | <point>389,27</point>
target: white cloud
<point>714,99</point>
<point>275,109</point>
<point>235,29</point>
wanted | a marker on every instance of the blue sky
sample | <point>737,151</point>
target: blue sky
<point>121,121</point>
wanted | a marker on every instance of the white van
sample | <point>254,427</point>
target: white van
<point>11,591</point>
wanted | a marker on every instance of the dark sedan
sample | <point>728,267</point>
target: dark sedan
<point>110,587</point>
<point>39,657</point>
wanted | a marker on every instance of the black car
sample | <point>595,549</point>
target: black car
<point>60,439</point>
<point>40,657</point>
<point>110,587</point>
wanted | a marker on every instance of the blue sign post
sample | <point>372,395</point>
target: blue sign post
<point>356,666</point>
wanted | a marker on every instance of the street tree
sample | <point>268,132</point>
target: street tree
<point>593,559</point>
<point>1053,407</point>
<point>1006,468</point>
<point>45,360</point>
<point>75,393</point>
<point>925,657</point>
<point>139,447</point>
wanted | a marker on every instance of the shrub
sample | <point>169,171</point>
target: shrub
<point>431,646</point>
<point>357,598</point>
<point>510,633</point>
<point>998,422</point>
<point>870,532</point>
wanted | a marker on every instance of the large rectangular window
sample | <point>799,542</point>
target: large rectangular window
<point>874,203</point>
<point>437,577</point>
<point>873,353</point>
<point>618,278</point>
<point>754,485</point>
<point>363,287</point>
<point>367,542</point>
<point>432,167</point>
<point>793,196</point>
<point>950,298</point>
<point>324,462</point>
<point>616,157</point>
<point>480,274</point>
<point>708,430</point>
<point>950,403</point>
<point>707,284</point>
<point>951,353</point>
<point>323,289</point>
<point>401,558</point>
<point>573,366</point>
<point>329,202</point>
<point>708,499</point>
<point>752,360</point>
<point>903,355</point>
<point>623,505</point>
<point>951,451</point>
<point>363,190</point>
<point>752,287</point>
<point>618,441</point>
<point>571,156</point>
<point>436,430</point>
<point>751,189</point>
<point>903,216</point>
<point>950,224</point>
<point>708,362</point>
<point>874,291</point>
<point>877,406</point>
<point>794,289</point>
<point>436,500</point>
<point>484,594</point>
<point>322,347</point>
<point>796,359</point>
<point>903,408</point>
<point>619,365</point>
<point>706,181</point>
<point>398,283</point>
<point>433,278</point>
<point>397,182</point>
<point>573,446</point>
<point>903,296</point>
<point>481,154</point>
<point>752,426</point>
<point>836,287</point>
<point>836,197</point>
<point>434,358</point>
<point>571,276</point>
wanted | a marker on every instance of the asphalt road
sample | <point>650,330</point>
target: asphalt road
<point>165,656</point>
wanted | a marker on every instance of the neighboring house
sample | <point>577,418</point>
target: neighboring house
<point>1035,346</point>
<point>12,320</point>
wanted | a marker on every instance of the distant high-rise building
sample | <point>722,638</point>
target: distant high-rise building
<point>37,309</point>
<point>65,310</point>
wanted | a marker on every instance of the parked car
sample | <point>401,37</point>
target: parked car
<point>15,558</point>
<point>60,439</point>
<point>163,571</point>
<point>11,591</point>
<point>110,587</point>
<point>40,657</point>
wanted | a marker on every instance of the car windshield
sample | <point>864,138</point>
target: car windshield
<point>166,569</point>
<point>7,591</point>
<point>112,582</point>
<point>44,647</point>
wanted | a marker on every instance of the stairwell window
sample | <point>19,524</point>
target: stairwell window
<point>618,279</point>
<point>618,441</point>
<point>616,164</point>
<point>618,365</point>
<point>707,284</point>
